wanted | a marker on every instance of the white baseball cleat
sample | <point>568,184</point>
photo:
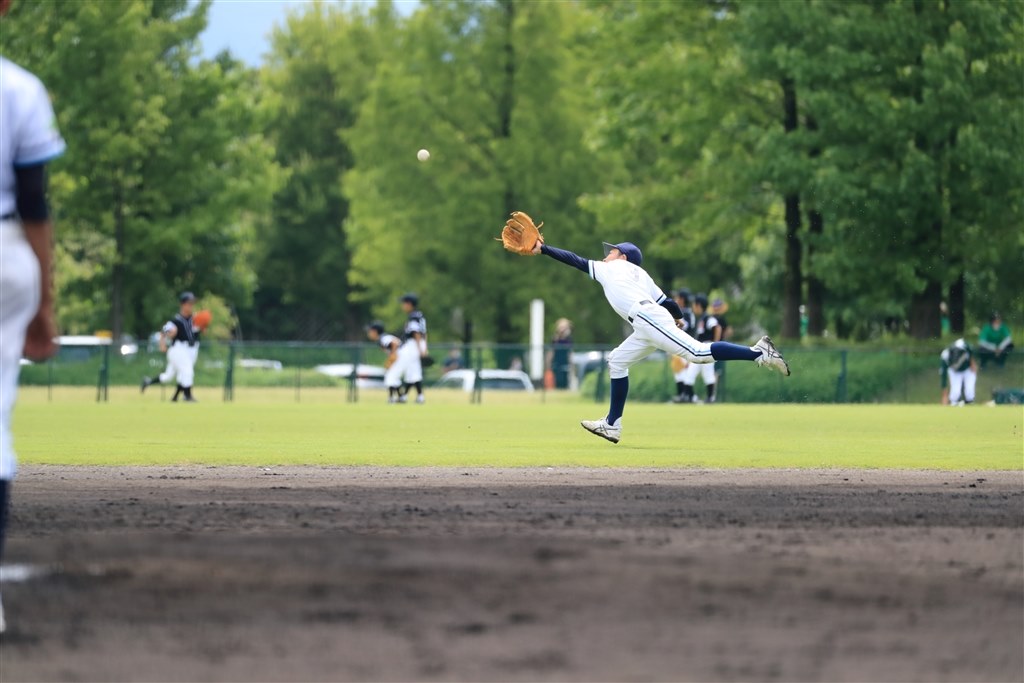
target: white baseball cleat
<point>604,430</point>
<point>770,356</point>
<point>421,398</point>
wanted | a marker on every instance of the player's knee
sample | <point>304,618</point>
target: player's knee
<point>617,369</point>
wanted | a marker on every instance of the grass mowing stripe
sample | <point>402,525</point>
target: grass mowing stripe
<point>147,432</point>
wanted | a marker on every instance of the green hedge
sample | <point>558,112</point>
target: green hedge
<point>815,379</point>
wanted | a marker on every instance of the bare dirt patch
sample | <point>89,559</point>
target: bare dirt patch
<point>452,574</point>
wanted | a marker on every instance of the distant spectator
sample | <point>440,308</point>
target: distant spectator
<point>558,357</point>
<point>944,318</point>
<point>994,343</point>
<point>516,364</point>
<point>453,361</point>
<point>963,372</point>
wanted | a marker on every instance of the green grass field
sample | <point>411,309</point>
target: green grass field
<point>265,428</point>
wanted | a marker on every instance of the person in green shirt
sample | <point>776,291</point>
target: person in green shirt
<point>994,343</point>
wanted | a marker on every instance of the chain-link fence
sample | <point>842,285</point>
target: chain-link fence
<point>350,371</point>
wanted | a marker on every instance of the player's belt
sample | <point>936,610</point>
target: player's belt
<point>639,303</point>
<point>9,217</point>
<point>185,342</point>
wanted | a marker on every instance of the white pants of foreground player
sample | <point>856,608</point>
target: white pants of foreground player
<point>19,301</point>
<point>407,367</point>
<point>181,361</point>
<point>653,329</point>
<point>961,386</point>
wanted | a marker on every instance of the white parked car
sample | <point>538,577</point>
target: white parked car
<point>260,364</point>
<point>367,376</point>
<point>503,380</point>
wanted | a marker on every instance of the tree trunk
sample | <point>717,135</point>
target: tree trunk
<point>956,304</point>
<point>503,322</point>
<point>793,277</point>
<point>924,312</point>
<point>815,287</point>
<point>117,275</point>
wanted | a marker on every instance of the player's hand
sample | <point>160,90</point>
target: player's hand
<point>680,324</point>
<point>40,337</point>
<point>537,246</point>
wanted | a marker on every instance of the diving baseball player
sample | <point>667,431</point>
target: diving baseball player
<point>391,344</point>
<point>28,140</point>
<point>179,338</point>
<point>708,330</point>
<point>655,320</point>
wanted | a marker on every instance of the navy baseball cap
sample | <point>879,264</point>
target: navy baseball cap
<point>630,250</point>
<point>410,298</point>
<point>376,325</point>
<point>186,296</point>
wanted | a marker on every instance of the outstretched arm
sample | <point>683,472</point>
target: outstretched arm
<point>566,257</point>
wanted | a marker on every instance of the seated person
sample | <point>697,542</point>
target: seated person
<point>995,343</point>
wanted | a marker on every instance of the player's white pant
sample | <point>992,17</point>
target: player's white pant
<point>961,385</point>
<point>705,370</point>
<point>181,361</point>
<point>406,367</point>
<point>654,328</point>
<point>19,301</point>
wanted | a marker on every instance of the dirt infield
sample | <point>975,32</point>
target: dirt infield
<point>428,574</point>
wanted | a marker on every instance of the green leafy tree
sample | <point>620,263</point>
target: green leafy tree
<point>165,173</point>
<point>504,124</point>
<point>320,66</point>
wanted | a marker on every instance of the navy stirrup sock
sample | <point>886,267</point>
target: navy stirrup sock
<point>620,389</point>
<point>730,351</point>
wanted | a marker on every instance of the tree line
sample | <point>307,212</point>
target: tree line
<point>862,160</point>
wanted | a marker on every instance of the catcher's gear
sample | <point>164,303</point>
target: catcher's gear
<point>520,235</point>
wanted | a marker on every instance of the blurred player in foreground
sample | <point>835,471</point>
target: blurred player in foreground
<point>655,319</point>
<point>28,140</point>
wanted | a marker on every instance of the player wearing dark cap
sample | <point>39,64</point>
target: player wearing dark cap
<point>635,297</point>
<point>179,339</point>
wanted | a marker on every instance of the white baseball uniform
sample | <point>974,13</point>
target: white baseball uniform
<point>636,298</point>
<point>962,377</point>
<point>28,137</point>
<point>183,351</point>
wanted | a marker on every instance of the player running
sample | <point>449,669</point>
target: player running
<point>179,338</point>
<point>655,319</point>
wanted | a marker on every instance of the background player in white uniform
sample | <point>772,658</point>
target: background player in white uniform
<point>28,140</point>
<point>686,323</point>
<point>962,371</point>
<point>179,338</point>
<point>654,317</point>
<point>409,364</point>
<point>707,330</point>
<point>390,343</point>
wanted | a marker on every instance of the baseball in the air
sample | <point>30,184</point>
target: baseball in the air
<point>423,155</point>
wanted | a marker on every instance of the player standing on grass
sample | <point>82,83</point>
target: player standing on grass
<point>654,317</point>
<point>28,140</point>
<point>708,331</point>
<point>179,338</point>
<point>413,350</point>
